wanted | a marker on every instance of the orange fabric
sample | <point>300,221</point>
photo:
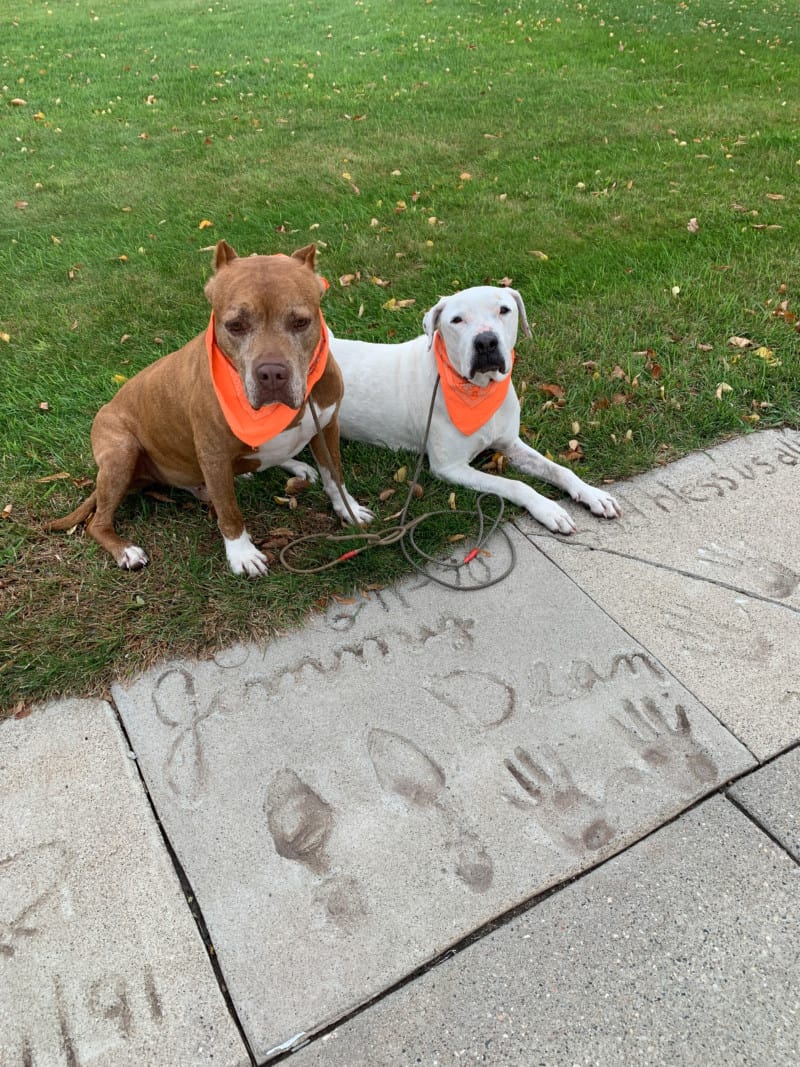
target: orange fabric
<point>469,406</point>
<point>251,425</point>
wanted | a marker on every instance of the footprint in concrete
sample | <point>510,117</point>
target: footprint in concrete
<point>403,769</point>
<point>342,901</point>
<point>301,824</point>
<point>299,820</point>
<point>481,696</point>
<point>568,815</point>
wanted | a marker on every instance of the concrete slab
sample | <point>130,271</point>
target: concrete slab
<point>361,795</point>
<point>684,950</point>
<point>708,579</point>
<point>772,795</point>
<point>100,959</point>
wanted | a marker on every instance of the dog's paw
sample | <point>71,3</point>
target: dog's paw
<point>244,557</point>
<point>301,470</point>
<point>132,558</point>
<point>598,502</point>
<point>553,516</point>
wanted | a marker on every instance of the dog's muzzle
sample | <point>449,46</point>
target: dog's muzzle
<point>487,355</point>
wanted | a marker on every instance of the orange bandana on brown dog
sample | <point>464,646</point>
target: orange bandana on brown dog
<point>251,425</point>
<point>469,406</point>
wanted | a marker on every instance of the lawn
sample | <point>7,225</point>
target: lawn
<point>632,168</point>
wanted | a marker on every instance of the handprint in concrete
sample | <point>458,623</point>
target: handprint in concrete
<point>570,817</point>
<point>671,751</point>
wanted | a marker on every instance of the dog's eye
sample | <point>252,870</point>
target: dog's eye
<point>302,322</point>
<point>505,310</point>
<point>456,319</point>
<point>236,326</point>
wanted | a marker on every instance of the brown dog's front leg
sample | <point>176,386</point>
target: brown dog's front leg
<point>243,556</point>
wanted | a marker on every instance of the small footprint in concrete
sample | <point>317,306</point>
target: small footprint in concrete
<point>299,820</point>
<point>403,769</point>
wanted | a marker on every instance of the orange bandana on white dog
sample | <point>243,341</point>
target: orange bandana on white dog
<point>469,406</point>
<point>251,425</point>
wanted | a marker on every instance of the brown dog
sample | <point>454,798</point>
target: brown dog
<point>184,420</point>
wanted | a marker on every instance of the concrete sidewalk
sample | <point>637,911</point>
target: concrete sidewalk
<point>555,822</point>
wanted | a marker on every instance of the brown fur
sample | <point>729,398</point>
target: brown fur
<point>165,425</point>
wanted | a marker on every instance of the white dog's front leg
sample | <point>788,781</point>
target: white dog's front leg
<point>529,461</point>
<point>545,511</point>
<point>299,469</point>
<point>363,515</point>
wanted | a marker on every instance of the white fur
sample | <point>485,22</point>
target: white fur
<point>244,557</point>
<point>279,450</point>
<point>133,558</point>
<point>387,396</point>
<point>363,515</point>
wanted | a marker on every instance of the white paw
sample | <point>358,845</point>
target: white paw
<point>363,515</point>
<point>132,558</point>
<point>301,470</point>
<point>244,557</point>
<point>553,516</point>
<point>598,502</point>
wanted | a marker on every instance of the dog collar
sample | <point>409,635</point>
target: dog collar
<point>469,406</point>
<point>255,426</point>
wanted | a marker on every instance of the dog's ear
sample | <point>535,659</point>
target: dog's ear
<point>307,256</point>
<point>430,323</point>
<point>223,254</point>
<point>523,317</point>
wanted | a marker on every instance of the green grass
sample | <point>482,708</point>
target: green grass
<point>590,132</point>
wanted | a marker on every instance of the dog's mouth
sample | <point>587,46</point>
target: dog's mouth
<point>496,367</point>
<point>273,382</point>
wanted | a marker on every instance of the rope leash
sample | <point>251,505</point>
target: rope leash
<point>404,532</point>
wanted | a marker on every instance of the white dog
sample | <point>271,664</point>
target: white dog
<point>469,340</point>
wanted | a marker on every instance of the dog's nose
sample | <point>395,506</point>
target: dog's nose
<point>272,375</point>
<point>486,344</point>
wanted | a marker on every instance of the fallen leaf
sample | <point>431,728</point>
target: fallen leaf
<point>400,474</point>
<point>18,102</point>
<point>451,501</point>
<point>22,710</point>
<point>5,337</point>
<point>397,305</point>
<point>380,281</point>
<point>417,491</point>
<point>465,176</point>
<point>386,494</point>
<point>775,196</point>
<point>538,254</point>
<point>346,279</point>
<point>118,378</point>
<point>53,477</point>
<point>204,224</point>
<point>44,406</point>
<point>6,512</point>
<point>296,485</point>
<point>456,537</point>
<point>552,390</point>
<point>741,342</point>
<point>618,372</point>
<point>723,387</point>
<point>20,205</point>
<point>693,226</point>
